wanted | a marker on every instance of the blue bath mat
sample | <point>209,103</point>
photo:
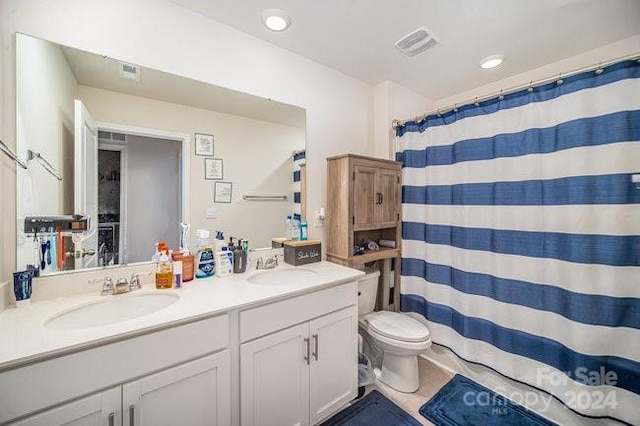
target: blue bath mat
<point>463,402</point>
<point>372,410</point>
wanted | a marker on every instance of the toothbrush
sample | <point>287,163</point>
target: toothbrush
<point>49,246</point>
<point>183,237</point>
<point>43,249</point>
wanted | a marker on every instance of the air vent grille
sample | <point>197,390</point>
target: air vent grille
<point>417,41</point>
<point>111,136</point>
<point>129,71</point>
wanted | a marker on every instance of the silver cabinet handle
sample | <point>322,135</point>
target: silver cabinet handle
<point>315,353</point>
<point>112,419</point>
<point>307,358</point>
<point>132,415</point>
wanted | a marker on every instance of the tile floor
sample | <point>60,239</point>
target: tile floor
<point>432,378</point>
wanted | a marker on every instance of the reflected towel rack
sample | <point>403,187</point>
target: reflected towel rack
<point>265,197</point>
<point>47,166</point>
<point>12,154</point>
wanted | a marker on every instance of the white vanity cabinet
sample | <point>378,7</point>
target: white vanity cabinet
<point>99,409</point>
<point>168,377</point>
<point>195,393</point>
<point>298,358</point>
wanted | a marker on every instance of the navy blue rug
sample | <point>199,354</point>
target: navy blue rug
<point>463,402</point>
<point>372,410</point>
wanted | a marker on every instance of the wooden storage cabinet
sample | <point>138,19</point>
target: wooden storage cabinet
<point>364,202</point>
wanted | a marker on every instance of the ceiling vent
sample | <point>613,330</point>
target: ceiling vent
<point>417,41</point>
<point>129,71</point>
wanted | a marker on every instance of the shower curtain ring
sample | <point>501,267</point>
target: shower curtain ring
<point>560,80</point>
<point>530,89</point>
<point>476,103</point>
<point>599,70</point>
<point>501,97</point>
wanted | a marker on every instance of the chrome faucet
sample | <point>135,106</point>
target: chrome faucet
<point>107,285</point>
<point>121,286</point>
<point>270,263</point>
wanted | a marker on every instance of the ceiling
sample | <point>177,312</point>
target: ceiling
<point>102,72</point>
<point>357,37</point>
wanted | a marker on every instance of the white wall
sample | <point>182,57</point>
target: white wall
<point>249,150</point>
<point>393,101</point>
<point>161,35</point>
<point>45,125</point>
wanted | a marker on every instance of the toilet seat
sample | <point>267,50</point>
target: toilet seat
<point>397,326</point>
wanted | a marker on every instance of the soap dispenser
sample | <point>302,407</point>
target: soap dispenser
<point>239,258</point>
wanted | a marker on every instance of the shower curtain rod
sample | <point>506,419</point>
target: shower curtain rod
<point>531,84</point>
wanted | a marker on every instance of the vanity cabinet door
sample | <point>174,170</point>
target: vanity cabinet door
<point>195,393</point>
<point>333,370</point>
<point>100,409</point>
<point>274,379</point>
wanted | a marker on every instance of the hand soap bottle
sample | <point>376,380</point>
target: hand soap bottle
<point>239,259</point>
<point>164,271</point>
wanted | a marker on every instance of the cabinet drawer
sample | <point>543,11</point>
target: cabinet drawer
<point>47,383</point>
<point>263,320</point>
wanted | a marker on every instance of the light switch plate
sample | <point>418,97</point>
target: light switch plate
<point>212,213</point>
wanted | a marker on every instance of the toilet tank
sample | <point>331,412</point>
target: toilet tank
<point>367,291</point>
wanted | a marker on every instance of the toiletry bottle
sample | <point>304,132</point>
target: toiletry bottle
<point>239,259</point>
<point>303,231</point>
<point>224,262</point>
<point>177,273</point>
<point>295,229</point>
<point>164,272</point>
<point>205,261</point>
<point>287,229</point>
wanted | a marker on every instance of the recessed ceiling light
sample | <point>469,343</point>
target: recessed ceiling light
<point>492,61</point>
<point>276,19</point>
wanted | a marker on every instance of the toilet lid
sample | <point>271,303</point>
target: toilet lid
<point>397,326</point>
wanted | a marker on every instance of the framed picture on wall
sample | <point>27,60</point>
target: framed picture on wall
<point>204,144</point>
<point>222,192</point>
<point>213,168</point>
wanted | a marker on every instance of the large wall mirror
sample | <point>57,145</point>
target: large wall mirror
<point>141,151</point>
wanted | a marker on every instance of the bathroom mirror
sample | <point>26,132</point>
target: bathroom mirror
<point>169,150</point>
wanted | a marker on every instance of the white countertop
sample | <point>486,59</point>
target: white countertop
<point>25,339</point>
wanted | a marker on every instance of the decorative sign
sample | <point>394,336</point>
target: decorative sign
<point>302,252</point>
<point>204,144</point>
<point>213,168</point>
<point>222,192</point>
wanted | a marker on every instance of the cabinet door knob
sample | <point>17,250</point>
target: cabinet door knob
<point>132,415</point>
<point>315,353</point>
<point>112,419</point>
<point>307,357</point>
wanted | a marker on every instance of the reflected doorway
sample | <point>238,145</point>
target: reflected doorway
<point>139,195</point>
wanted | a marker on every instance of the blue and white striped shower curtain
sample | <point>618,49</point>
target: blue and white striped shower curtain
<point>521,236</point>
<point>299,158</point>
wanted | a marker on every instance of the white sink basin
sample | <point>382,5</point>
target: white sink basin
<point>112,309</point>
<point>283,276</point>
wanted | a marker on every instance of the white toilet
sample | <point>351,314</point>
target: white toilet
<point>400,337</point>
